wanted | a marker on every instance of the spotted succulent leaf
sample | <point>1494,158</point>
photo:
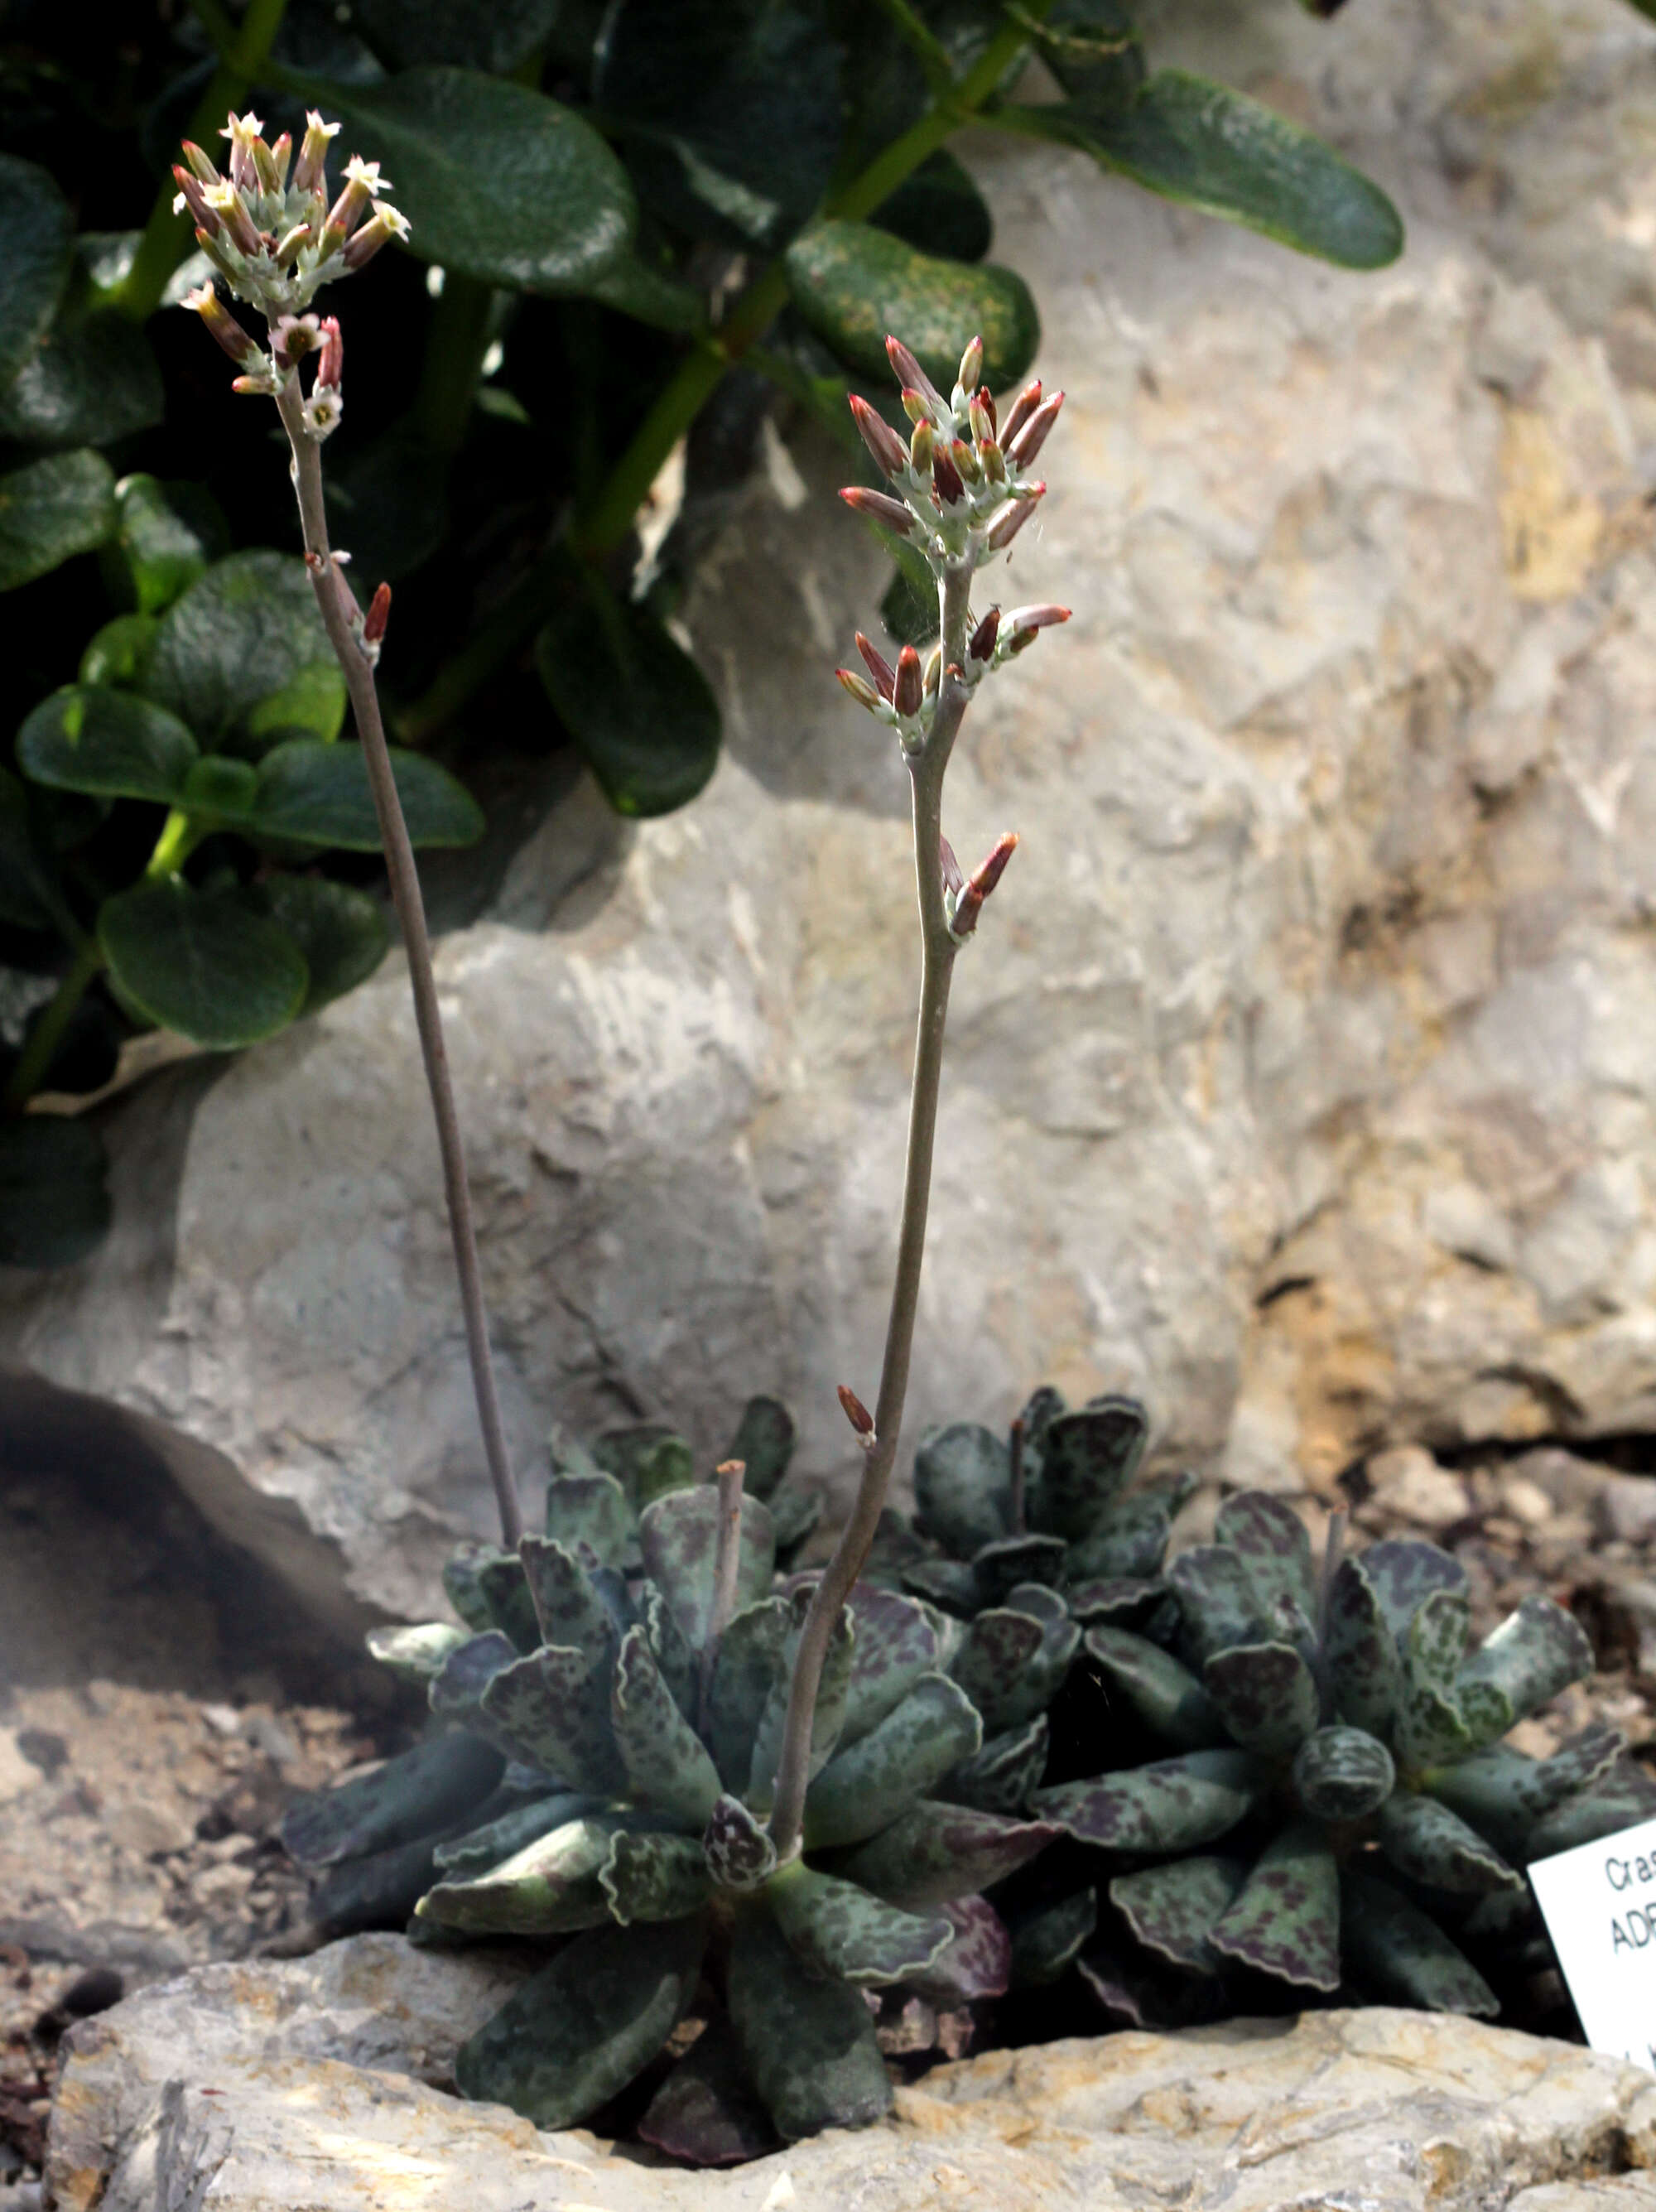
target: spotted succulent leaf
<point>739,1852</point>
<point>1535,1653</point>
<point>1343,1774</point>
<point>1405,1954</point>
<point>649,1876</point>
<point>838,1928</point>
<point>950,1584</point>
<point>998,1649</point>
<point>1424,1840</point>
<point>935,1852</point>
<point>464,1857</point>
<point>1404,1572</point>
<point>863,1788</point>
<point>1360,1651</point>
<point>975,1962</point>
<point>1436,1642</point>
<point>552,1886</point>
<point>827,1716</point>
<point>807,2040</point>
<point>465,1590</point>
<point>554,1707</point>
<point>568,1610</point>
<point>1619,1798</point>
<point>678,1536</point>
<point>1217,1607</point>
<point>1172,1910</point>
<point>1001,1567</point>
<point>998,1777</point>
<point>1275,1547</point>
<point>1130,1537</point>
<point>1171,1805</point>
<point>1085,1459</point>
<point>895,1644</point>
<point>647,1458</point>
<point>1047,1940</point>
<point>670,1652</point>
<point>1166,1696</point>
<point>962,1488</point>
<point>707,2112</point>
<point>590,1509</point>
<point>763,1442</point>
<point>746,1670</point>
<point>416,1793</point>
<point>1266,1695</point>
<point>506,1592</point>
<point>455,1691</point>
<point>1285,1920</point>
<point>1137,1602</point>
<point>668,1768</point>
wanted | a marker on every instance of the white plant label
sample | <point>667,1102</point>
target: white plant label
<point>1600,1903</point>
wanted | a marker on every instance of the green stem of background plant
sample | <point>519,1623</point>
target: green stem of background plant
<point>937,948</point>
<point>599,528</point>
<point>166,237</point>
<point>40,1046</point>
<point>336,607</point>
<point>455,345</point>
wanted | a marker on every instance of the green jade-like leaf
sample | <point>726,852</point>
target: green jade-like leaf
<point>207,963</point>
<point>241,635</point>
<point>553,1708</point>
<point>1086,1458</point>
<point>1343,1774</point>
<point>117,653</point>
<point>1172,1910</point>
<point>1360,1651</point>
<point>340,931</point>
<point>999,1778</point>
<point>668,1768</point>
<point>640,712</point>
<point>807,2041</point>
<point>1274,1546</point>
<point>1172,1805</point>
<point>593,1510</point>
<point>37,241</point>
<point>580,2030</point>
<point>1266,1695</point>
<point>836,1928</point>
<point>1166,1696</point>
<point>1217,1603</point>
<point>92,378</point>
<point>763,1442</point>
<point>678,1535</point>
<point>962,1488</point>
<point>319,795</point>
<point>1426,1841</point>
<point>863,1788</point>
<point>419,1793</point>
<point>935,1852</point>
<point>112,744</point>
<point>1285,1921</point>
<point>851,283</point>
<point>650,1877</point>
<point>51,511</point>
<point>1405,1953</point>
<point>167,535</point>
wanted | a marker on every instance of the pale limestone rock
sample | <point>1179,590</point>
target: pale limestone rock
<point>259,2088</point>
<point>1304,1076</point>
<point>1409,1485</point>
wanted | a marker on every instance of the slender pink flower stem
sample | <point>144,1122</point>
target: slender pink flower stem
<point>333,599</point>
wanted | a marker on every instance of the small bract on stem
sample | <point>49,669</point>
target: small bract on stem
<point>271,232</point>
<point>961,491</point>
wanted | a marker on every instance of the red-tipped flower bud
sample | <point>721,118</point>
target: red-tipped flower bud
<point>282,154</point>
<point>860,687</point>
<point>880,508</point>
<point>879,667</point>
<point>192,196</point>
<point>983,637</point>
<point>916,405</point>
<point>965,460</point>
<point>379,614</point>
<point>908,371</point>
<point>857,1414</point>
<point>922,448</point>
<point>386,223</point>
<point>1013,520</point>
<point>910,688</point>
<point>312,153</point>
<point>969,904</point>
<point>204,165</point>
<point>971,366</point>
<point>221,323</point>
<point>1022,409</point>
<point>983,419</point>
<point>994,463</point>
<point>946,480</point>
<point>330,368</point>
<point>1045,616</point>
<point>1021,450</point>
<point>888,450</point>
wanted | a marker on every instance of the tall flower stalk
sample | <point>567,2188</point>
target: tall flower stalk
<point>960,492</point>
<point>273,236</point>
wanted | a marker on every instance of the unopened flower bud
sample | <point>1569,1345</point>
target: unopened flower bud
<point>994,462</point>
<point>953,880</point>
<point>933,670</point>
<point>192,196</point>
<point>909,689</point>
<point>879,507</point>
<point>857,1414</point>
<point>879,667</point>
<point>282,154</point>
<point>205,167</point>
<point>922,447</point>
<point>916,405</point>
<point>235,341</point>
<point>983,637</point>
<point>1045,616</point>
<point>312,153</point>
<point>231,209</point>
<point>265,169</point>
<point>261,385</point>
<point>386,223</point>
<point>890,452</point>
<point>972,366</point>
<point>1020,411</point>
<point>968,903</point>
<point>1023,449</point>
<point>379,614</point>
<point>330,368</point>
<point>289,244</point>
<point>1014,517</point>
<point>242,131</point>
<point>908,371</point>
<point>946,480</point>
<point>860,687</point>
<point>983,425</point>
<point>966,461</point>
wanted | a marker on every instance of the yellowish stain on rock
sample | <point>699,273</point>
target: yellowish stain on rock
<point>1552,532</point>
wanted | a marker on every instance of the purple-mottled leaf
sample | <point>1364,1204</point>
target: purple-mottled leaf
<point>1402,1571</point>
<point>554,1707</point>
<point>739,1852</point>
<point>764,1442</point>
<point>580,2031</point>
<point>1152,1683</point>
<point>1360,1651</point>
<point>463,1858</point>
<point>950,1584</point>
<point>649,1876</point>
<point>1343,1774</point>
<point>419,1654</point>
<point>1130,1538</point>
<point>1405,1954</point>
<point>568,1456</point>
<point>668,1768</point>
<point>795,1510</point>
<point>1619,1797</point>
<point>807,2041</point>
<point>1143,1993</point>
<point>567,1606</point>
<point>1266,1695</point>
<point>837,1927</point>
<point>1040,1411</point>
<point>1535,1652</point>
<point>1039,1600</point>
<point>962,1488</point>
<point>1172,1910</point>
<point>593,1510</point>
<point>1129,1601</point>
<point>1085,1459</point>
<point>999,1778</point>
<point>670,1652</point>
<point>419,1793</point>
<point>1285,1921</point>
<point>1502,1793</point>
<point>894,1645</point>
<point>1428,1728</point>
<point>678,1536</point>
<point>1003,1566</point>
<point>1171,1805</point>
<point>1426,1841</point>
<point>999,1648</point>
<point>456,1692</point>
<point>895,1546</point>
<point>648,1460</point>
<point>863,1788</point>
<point>506,1592</point>
<point>707,2112</point>
<point>746,1670</point>
<point>1275,1547</point>
<point>975,1962</point>
<point>1435,1643</point>
<point>549,1887</point>
<point>828,1713</point>
<point>1216,1604</point>
<point>1048,1939</point>
<point>462,1571</point>
<point>934,1852</point>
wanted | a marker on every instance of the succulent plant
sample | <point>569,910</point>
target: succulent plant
<point>1330,1731</point>
<point>620,1730</point>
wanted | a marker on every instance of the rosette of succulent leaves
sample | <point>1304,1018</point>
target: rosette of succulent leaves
<point>617,1695</point>
<point>1337,1808</point>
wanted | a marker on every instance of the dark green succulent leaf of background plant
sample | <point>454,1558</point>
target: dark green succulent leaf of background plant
<point>1048,1940</point>
<point>763,1442</point>
<point>37,245</point>
<point>319,795</point>
<point>49,511</point>
<point>380,1890</point>
<point>1535,1653</point>
<point>1361,1651</point>
<point>1217,1606</point>
<point>1266,1695</point>
<point>1094,50</point>
<point>1191,139</point>
<point>111,744</point>
<point>497,181</point>
<point>550,1887</point>
<point>795,1510</point>
<point>593,1510</point>
<point>1285,1920</point>
<point>417,1793</point>
<point>1130,1536</point>
<point>1086,1458</point>
<point>854,284</point>
<point>807,2041</point>
<point>646,1458</point>
<point>413,33</point>
<point>54,1205</point>
<point>1171,1805</point>
<point>167,535</point>
<point>1405,1954</point>
<point>935,1852</point>
<point>244,633</point>
<point>1343,1774</point>
<point>341,931</point>
<point>707,2112</point>
<point>951,1584</point>
<point>457,1689</point>
<point>1272,1543</point>
<point>1427,1842</point>
<point>863,1788</point>
<point>581,2029</point>
<point>207,964</point>
<point>895,1645</point>
<point>938,209</point>
<point>1172,1910</point>
<point>1164,1694</point>
<point>1129,1601</point>
<point>90,380</point>
<point>651,1876</point>
<point>838,1928</point>
<point>504,1584</point>
<point>1502,1793</point>
<point>998,1777</point>
<point>117,652</point>
<point>388,501</point>
<point>668,1768</point>
<point>30,897</point>
<point>730,115</point>
<point>641,714</point>
<point>999,1567</point>
<point>678,1535</point>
